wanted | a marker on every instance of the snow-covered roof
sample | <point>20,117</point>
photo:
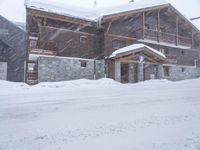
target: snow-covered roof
<point>135,47</point>
<point>90,14</point>
<point>97,14</point>
<point>62,9</point>
<point>133,7</point>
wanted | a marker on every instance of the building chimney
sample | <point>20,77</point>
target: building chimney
<point>131,1</point>
<point>95,3</point>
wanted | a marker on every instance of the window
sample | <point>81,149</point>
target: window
<point>182,52</point>
<point>117,44</point>
<point>183,69</point>
<point>83,63</point>
<point>166,71</point>
<point>147,26</point>
<point>33,44</point>
<point>83,39</point>
<point>164,51</point>
<point>162,29</point>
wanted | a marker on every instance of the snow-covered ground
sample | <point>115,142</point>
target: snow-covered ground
<point>100,115</point>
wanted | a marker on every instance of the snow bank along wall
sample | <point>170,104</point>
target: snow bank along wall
<point>63,69</point>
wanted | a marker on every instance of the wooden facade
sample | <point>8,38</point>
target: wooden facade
<point>161,27</point>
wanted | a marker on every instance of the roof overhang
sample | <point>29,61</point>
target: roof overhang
<point>134,52</point>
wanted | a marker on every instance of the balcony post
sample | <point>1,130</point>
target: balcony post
<point>177,31</point>
<point>143,24</point>
<point>192,42</point>
<point>118,71</point>
<point>158,26</point>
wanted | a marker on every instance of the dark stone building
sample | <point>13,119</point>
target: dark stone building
<point>12,51</point>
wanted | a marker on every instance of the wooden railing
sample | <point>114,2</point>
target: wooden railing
<point>164,37</point>
<point>167,37</point>
<point>185,41</point>
<point>150,34</point>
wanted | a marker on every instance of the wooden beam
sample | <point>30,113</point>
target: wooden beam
<point>177,21</point>
<point>59,17</point>
<point>119,36</point>
<point>45,21</point>
<point>131,12</point>
<point>192,37</point>
<point>61,29</point>
<point>137,62</point>
<point>143,24</point>
<point>158,26</point>
<point>109,27</point>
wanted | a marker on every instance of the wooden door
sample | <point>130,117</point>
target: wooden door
<point>124,72</point>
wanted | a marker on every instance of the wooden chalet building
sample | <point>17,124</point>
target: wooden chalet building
<point>12,51</point>
<point>129,43</point>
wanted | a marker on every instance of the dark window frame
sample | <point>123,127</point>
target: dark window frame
<point>166,70</point>
<point>83,63</point>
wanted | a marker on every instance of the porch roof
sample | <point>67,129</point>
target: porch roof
<point>135,49</point>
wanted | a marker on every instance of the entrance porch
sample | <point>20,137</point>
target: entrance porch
<point>136,63</point>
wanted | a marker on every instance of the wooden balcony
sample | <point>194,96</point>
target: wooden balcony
<point>164,37</point>
<point>42,47</point>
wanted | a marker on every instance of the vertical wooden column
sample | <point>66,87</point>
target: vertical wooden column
<point>158,26</point>
<point>140,72</point>
<point>45,22</point>
<point>118,71</point>
<point>177,30</point>
<point>192,42</point>
<point>131,73</point>
<point>143,24</point>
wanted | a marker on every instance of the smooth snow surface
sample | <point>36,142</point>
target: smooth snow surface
<point>100,115</point>
<point>136,47</point>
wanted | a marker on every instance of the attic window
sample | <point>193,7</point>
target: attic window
<point>83,63</point>
<point>83,39</point>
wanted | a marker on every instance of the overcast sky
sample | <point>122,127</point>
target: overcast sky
<point>14,9</point>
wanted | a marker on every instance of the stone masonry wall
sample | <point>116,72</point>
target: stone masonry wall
<point>177,73</point>
<point>63,69</point>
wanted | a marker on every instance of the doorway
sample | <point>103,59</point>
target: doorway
<point>3,70</point>
<point>124,72</point>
